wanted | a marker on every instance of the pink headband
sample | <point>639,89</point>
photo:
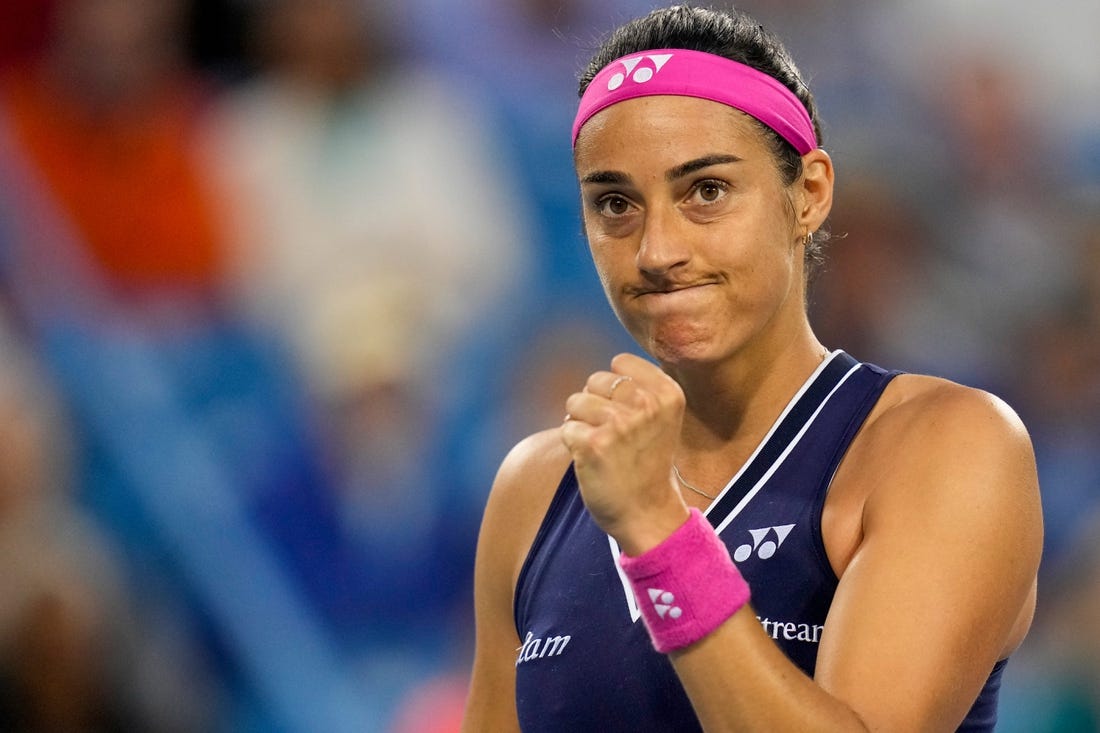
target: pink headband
<point>683,73</point>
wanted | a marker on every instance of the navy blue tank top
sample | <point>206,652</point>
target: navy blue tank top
<point>585,662</point>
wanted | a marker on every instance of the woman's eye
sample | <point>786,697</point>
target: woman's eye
<point>613,205</point>
<point>710,191</point>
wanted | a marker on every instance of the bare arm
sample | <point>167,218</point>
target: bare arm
<point>517,503</point>
<point>942,585</point>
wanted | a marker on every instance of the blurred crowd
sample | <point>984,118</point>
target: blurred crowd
<point>281,281</point>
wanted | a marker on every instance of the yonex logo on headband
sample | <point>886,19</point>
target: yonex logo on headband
<point>642,75</point>
<point>686,73</point>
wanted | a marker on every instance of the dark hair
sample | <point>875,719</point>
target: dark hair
<point>735,35</point>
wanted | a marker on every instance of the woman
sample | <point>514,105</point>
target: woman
<point>872,562</point>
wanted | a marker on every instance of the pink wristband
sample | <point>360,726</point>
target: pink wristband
<point>686,586</point>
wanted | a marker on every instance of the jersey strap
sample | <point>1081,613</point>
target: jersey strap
<point>784,435</point>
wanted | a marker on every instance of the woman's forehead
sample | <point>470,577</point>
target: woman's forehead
<point>672,125</point>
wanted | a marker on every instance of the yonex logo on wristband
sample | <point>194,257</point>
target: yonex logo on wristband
<point>693,562</point>
<point>662,603</point>
<point>640,75</point>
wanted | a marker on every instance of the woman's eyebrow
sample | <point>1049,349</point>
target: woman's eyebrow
<point>685,169</point>
<point>612,177</point>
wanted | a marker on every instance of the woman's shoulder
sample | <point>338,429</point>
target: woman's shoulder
<point>936,438</point>
<point>922,407</point>
<point>532,469</point>
<point>525,485</point>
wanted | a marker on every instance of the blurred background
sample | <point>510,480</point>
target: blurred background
<point>281,281</point>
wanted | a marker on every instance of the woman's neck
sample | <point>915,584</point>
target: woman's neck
<point>731,406</point>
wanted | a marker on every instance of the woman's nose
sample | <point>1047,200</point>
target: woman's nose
<point>663,246</point>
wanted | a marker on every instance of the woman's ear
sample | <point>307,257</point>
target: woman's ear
<point>814,195</point>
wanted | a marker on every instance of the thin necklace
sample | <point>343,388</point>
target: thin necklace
<point>686,484</point>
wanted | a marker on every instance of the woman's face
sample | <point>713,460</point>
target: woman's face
<point>693,234</point>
